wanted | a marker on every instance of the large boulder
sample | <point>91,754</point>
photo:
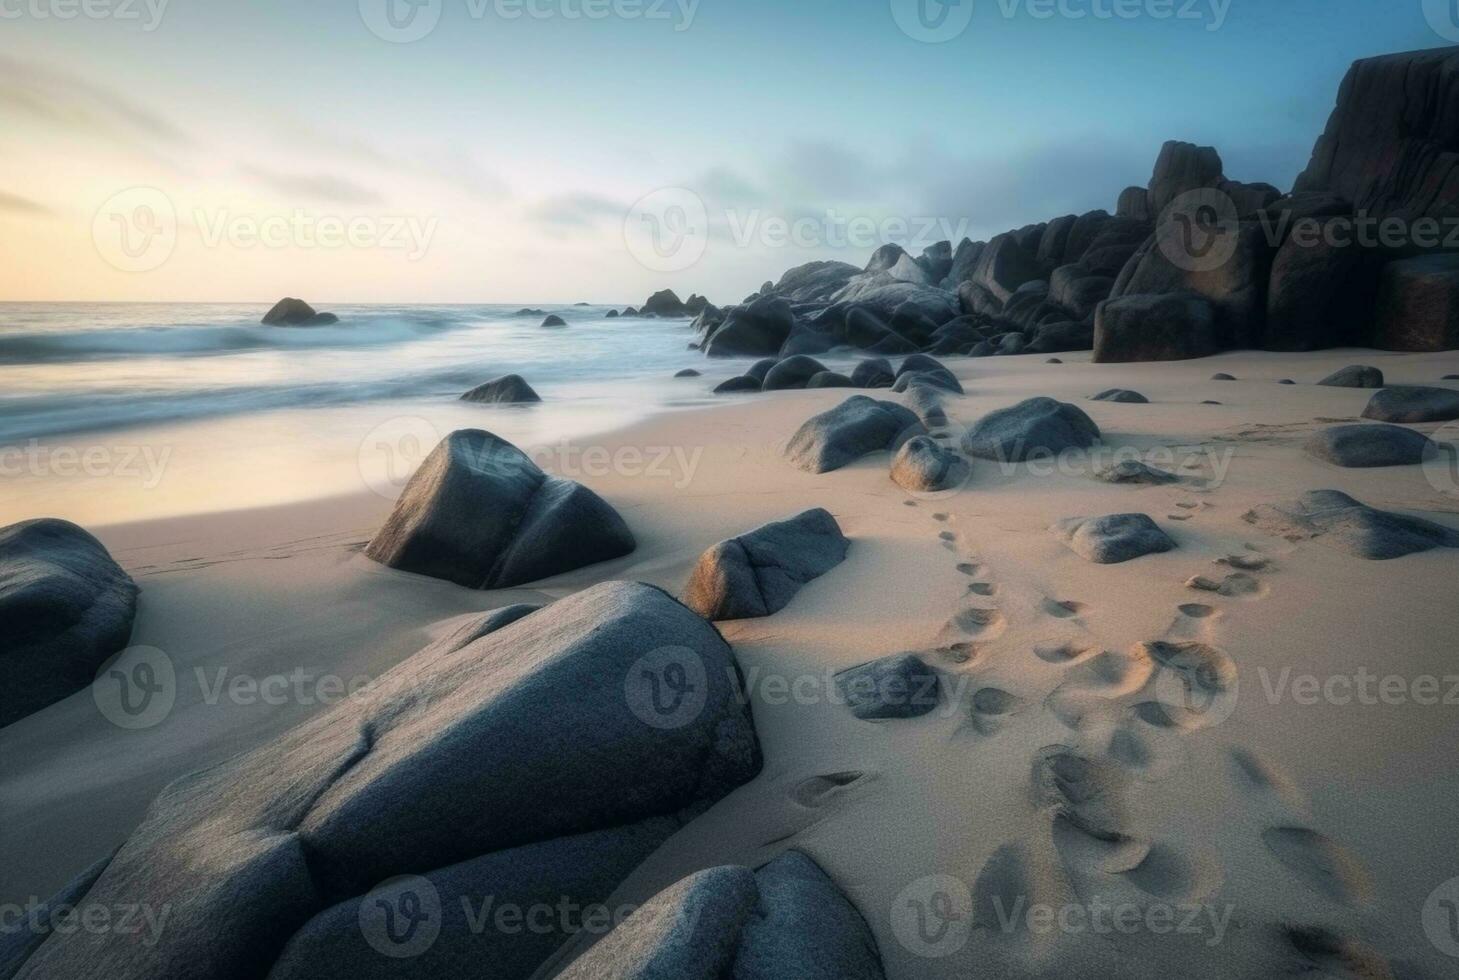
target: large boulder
<point>739,385</point>
<point>291,312</point>
<point>1087,227</point>
<point>758,573</point>
<point>1180,169</point>
<point>1321,289</point>
<point>665,302</point>
<point>792,372</point>
<point>1354,376</point>
<point>874,372</point>
<point>858,426</point>
<point>1004,265</point>
<point>1035,427</point>
<point>964,260</point>
<point>815,282</point>
<point>66,607</point>
<point>1354,527</point>
<point>830,379</point>
<point>481,514</point>
<point>1169,327</point>
<point>1135,203</point>
<point>758,328</point>
<point>613,708</point>
<point>508,389</point>
<point>1365,446</point>
<point>1113,539</point>
<point>1055,242</point>
<point>1078,290</point>
<point>787,920</point>
<point>924,466</point>
<point>1418,303</point>
<point>936,261</point>
<point>1056,338</point>
<point>883,294</point>
<point>1412,404</point>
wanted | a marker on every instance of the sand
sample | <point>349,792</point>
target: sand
<point>1277,835</point>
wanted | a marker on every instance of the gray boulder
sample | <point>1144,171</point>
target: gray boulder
<point>687,373</point>
<point>1060,337</point>
<point>964,260</point>
<point>563,713</point>
<point>665,302</point>
<point>803,340</point>
<point>858,426</point>
<point>1356,528</point>
<point>1123,395</point>
<point>761,368</point>
<point>1005,265</point>
<point>874,372</point>
<point>883,294</point>
<point>830,379</point>
<point>1132,471</point>
<point>1418,304</point>
<point>742,384</point>
<point>66,607</point>
<point>1413,404</point>
<point>508,389</point>
<point>1113,539</point>
<point>1354,376</point>
<point>758,328</point>
<point>1368,446</point>
<point>793,372</point>
<point>814,282</point>
<point>901,686</point>
<point>1169,327</point>
<point>926,402</point>
<point>1034,427</point>
<point>553,320</point>
<point>758,573</point>
<point>924,466</point>
<point>481,514</point>
<point>291,312</point>
<point>1181,168</point>
<point>865,329</point>
<point>1322,288</point>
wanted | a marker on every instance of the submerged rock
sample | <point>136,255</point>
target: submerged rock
<point>858,426</point>
<point>291,312</point>
<point>687,373</point>
<point>509,388</point>
<point>1113,539</point>
<point>1354,527</point>
<point>758,573</point>
<point>737,385</point>
<point>553,320</point>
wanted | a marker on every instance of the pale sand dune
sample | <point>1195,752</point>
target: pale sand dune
<point>1049,773</point>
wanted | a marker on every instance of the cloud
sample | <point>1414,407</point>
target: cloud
<point>68,101</point>
<point>578,210</point>
<point>320,187</point>
<point>15,204</point>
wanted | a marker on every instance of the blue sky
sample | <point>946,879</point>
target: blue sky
<point>495,158</point>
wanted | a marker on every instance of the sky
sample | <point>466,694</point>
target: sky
<point>554,151</point>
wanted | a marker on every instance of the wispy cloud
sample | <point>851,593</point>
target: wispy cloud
<point>15,204</point>
<point>63,100</point>
<point>575,210</point>
<point>318,187</point>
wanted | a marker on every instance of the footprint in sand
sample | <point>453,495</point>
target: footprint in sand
<point>983,588</point>
<point>940,517</point>
<point>968,568</point>
<point>982,623</point>
<point>1237,585</point>
<point>957,653</point>
<point>1197,611</point>
<point>1061,653</point>
<point>991,706</point>
<point>1332,955</point>
<point>1063,609</point>
<point>817,791</point>
<point>1319,862</point>
<point>909,503</point>
<point>1177,517</point>
<point>1258,777</point>
<point>1194,621</point>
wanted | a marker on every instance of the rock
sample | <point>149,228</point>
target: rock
<point>793,372</point>
<point>964,260</point>
<point>1249,200</point>
<point>1086,229</point>
<point>687,373</point>
<point>1003,266</point>
<point>1063,336</point>
<point>66,607</point>
<point>1135,203</point>
<point>975,299</point>
<point>1117,241</point>
<point>758,328</point>
<point>1222,376</point>
<point>1055,242</point>
<point>553,713</point>
<point>830,379</point>
<point>909,321</point>
<point>291,312</point>
<point>805,341</point>
<point>1035,427</point>
<point>758,573</point>
<point>1181,168</point>
<point>1234,585</point>
<point>529,311</point>
<point>1356,528</point>
<point>923,466</point>
<point>1154,328</point>
<point>1418,303</point>
<point>1370,445</point>
<point>1286,381</point>
<point>1078,290</point>
<point>936,261</point>
<point>1113,539</point>
<point>1012,343</point>
<point>981,349</point>
<point>737,385</point>
<point>1388,147</point>
<point>1413,404</point>
<point>665,303</point>
<point>941,378</point>
<point>509,388</point>
<point>761,368</point>
<point>918,363</point>
<point>788,920</point>
<point>1030,237</point>
<point>41,921</point>
<point>1121,395</point>
<point>1053,360</point>
<point>629,311</point>
<point>1322,288</point>
<point>553,320</point>
<point>1134,471</point>
<point>481,514</point>
<point>814,282</point>
<point>883,294</point>
<point>901,686</point>
<point>865,329</point>
<point>1354,376</point>
<point>926,402</point>
<point>611,315</point>
<point>858,426</point>
<point>874,372</point>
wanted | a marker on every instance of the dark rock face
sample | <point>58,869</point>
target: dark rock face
<point>902,686</point>
<point>1136,472</point>
<point>1037,426</point>
<point>1113,539</point>
<point>858,426</point>
<point>805,341</point>
<point>874,372</point>
<point>1389,144</point>
<point>1003,266</point>
<point>761,368</point>
<point>1055,242</point>
<point>1078,290</point>
<point>1321,291</point>
<point>1413,404</point>
<point>1171,327</point>
<point>935,376</point>
<point>553,320</point>
<point>936,261</point>
<point>758,573</point>
<point>553,712</point>
<point>1370,445</point>
<point>481,514</point>
<point>737,385</point>
<point>1120,395</point>
<point>291,312</point>
<point>1135,203</point>
<point>814,282</point>
<point>761,328</point>
<point>1418,303</point>
<point>1087,228</point>
<point>1181,168</point>
<point>665,303</point>
<point>793,372</point>
<point>924,466</point>
<point>1356,528</point>
<point>787,920</point>
<point>1061,337</point>
<point>508,389</point>
<point>66,607</point>
<point>830,379</point>
<point>1354,376</point>
<point>964,260</point>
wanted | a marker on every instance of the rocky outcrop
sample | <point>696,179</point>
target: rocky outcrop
<point>964,260</point>
<point>1322,288</point>
<point>665,302</point>
<point>1418,302</point>
<point>1171,327</point>
<point>481,514</point>
<point>66,607</point>
<point>1180,169</point>
<point>1032,428</point>
<point>291,312</point>
<point>853,429</point>
<point>814,282</point>
<point>614,711</point>
<point>508,389</point>
<point>874,372</point>
<point>761,327</point>
<point>553,320</point>
<point>758,573</point>
<point>1003,266</point>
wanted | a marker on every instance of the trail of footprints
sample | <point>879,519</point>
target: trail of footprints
<point>1120,710</point>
